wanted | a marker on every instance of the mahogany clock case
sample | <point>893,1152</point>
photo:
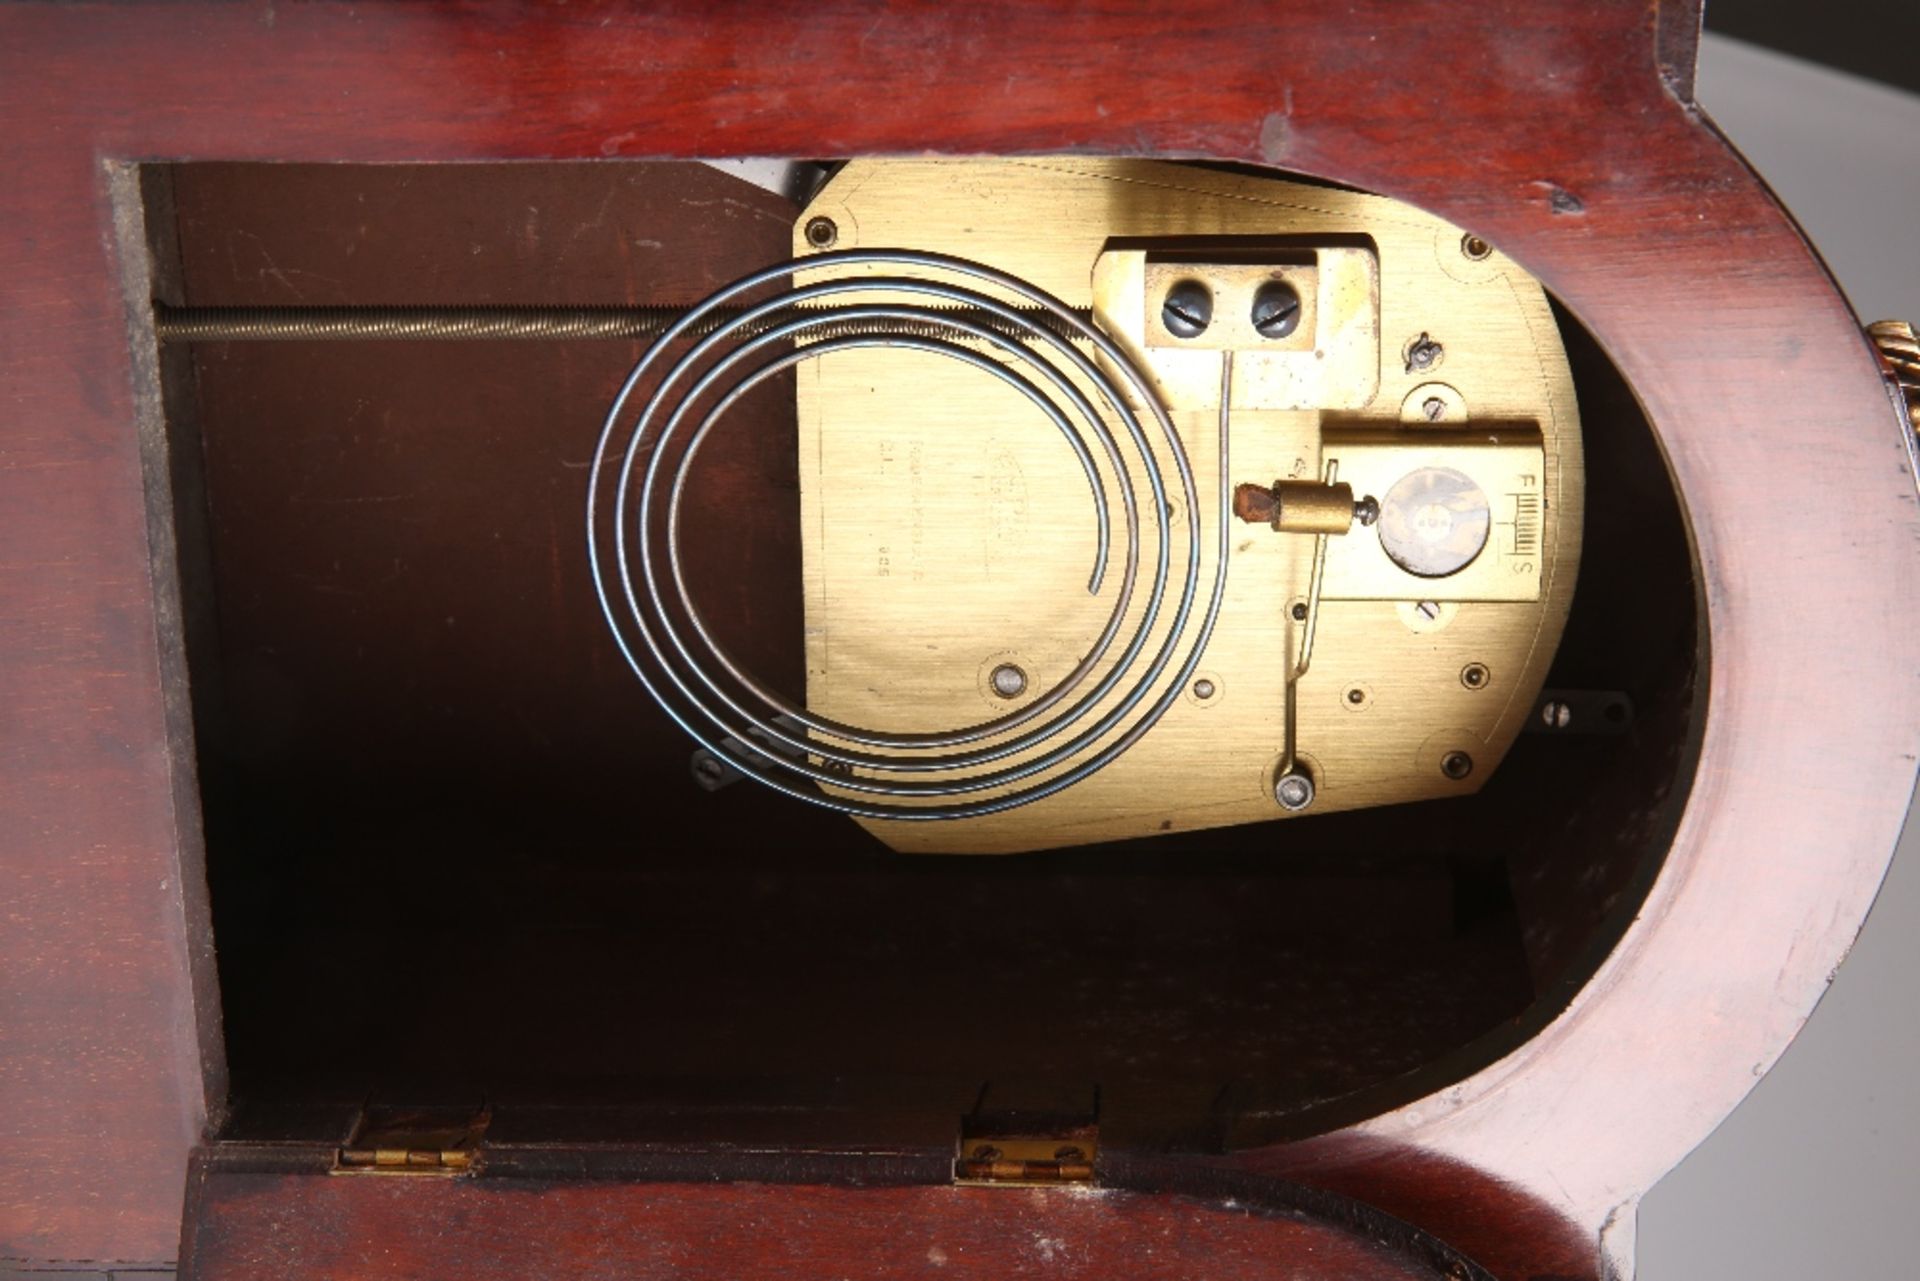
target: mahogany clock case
<point>454,862</point>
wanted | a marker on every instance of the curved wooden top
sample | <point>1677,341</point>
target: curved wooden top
<point>1559,131</point>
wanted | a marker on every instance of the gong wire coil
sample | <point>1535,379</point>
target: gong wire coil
<point>378,323</point>
<point>716,700</point>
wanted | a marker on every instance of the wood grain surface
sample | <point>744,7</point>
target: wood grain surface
<point>258,1224</point>
<point>1560,132</point>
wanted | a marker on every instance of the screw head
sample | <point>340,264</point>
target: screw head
<point>1294,791</point>
<point>821,233</point>
<point>1276,309</point>
<point>1456,765</point>
<point>1188,309</point>
<point>1423,353</point>
<point>1556,715</point>
<point>1008,681</point>
<point>1203,688</point>
<point>1428,609</point>
<point>1299,611</point>
<point>710,773</point>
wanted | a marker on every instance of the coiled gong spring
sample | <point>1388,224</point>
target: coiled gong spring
<point>1004,327</point>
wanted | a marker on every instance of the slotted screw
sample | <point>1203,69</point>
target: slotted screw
<point>1188,309</point>
<point>1276,309</point>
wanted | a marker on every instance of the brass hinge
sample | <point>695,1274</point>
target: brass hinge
<point>417,1141</point>
<point>1899,348</point>
<point>403,1161</point>
<point>1027,1160</point>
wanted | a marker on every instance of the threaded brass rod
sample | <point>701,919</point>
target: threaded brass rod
<point>468,324</point>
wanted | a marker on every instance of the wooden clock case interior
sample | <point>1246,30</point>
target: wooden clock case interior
<point>454,851</point>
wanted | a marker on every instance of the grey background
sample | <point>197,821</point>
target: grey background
<point>1816,1174</point>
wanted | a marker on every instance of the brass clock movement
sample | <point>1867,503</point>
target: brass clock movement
<point>1135,498</point>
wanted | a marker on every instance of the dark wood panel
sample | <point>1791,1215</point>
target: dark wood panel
<point>398,572</point>
<point>366,1228</point>
<point>109,1054</point>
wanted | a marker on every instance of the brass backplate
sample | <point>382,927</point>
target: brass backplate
<point>947,530</point>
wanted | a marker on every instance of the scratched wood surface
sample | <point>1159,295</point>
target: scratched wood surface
<point>1561,132</point>
<point>256,1224</point>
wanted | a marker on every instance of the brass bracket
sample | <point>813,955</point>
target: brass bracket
<point>1328,359</point>
<point>1504,462</point>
